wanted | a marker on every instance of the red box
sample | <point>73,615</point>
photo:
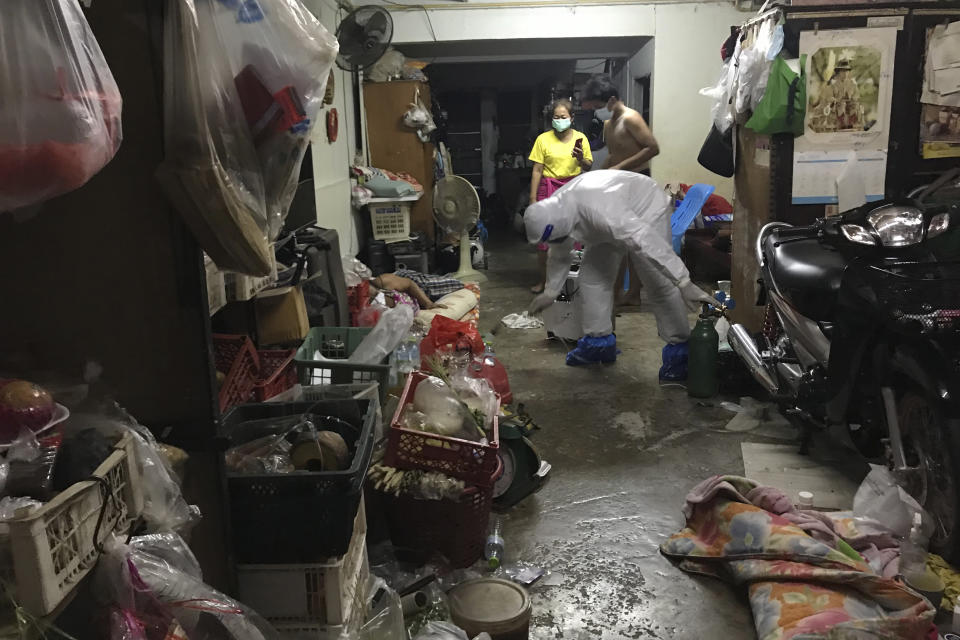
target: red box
<point>237,359</point>
<point>473,462</point>
<point>277,373</point>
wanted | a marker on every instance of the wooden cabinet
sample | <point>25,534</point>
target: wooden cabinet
<point>396,147</point>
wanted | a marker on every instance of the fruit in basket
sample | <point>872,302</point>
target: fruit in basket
<point>23,404</point>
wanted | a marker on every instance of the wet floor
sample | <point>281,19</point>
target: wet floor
<point>624,452</point>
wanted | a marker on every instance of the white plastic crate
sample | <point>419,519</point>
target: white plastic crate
<point>54,547</point>
<point>241,287</point>
<point>308,597</point>
<point>390,221</point>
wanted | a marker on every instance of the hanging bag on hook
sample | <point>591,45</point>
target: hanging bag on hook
<point>59,104</point>
<point>783,106</point>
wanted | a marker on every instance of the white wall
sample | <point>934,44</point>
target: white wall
<point>686,57</point>
<point>641,64</point>
<point>331,161</point>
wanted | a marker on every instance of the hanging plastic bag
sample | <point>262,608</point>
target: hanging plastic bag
<point>784,103</point>
<point>59,104</point>
<point>244,85</point>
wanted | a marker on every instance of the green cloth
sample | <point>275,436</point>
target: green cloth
<point>784,102</point>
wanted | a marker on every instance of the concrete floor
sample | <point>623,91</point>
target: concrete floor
<point>624,452</point>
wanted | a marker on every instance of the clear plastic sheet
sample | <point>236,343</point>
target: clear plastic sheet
<point>60,106</point>
<point>244,85</point>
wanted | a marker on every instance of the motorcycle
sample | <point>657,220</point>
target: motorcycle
<point>862,340</point>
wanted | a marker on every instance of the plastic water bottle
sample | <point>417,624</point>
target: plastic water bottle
<point>408,357</point>
<point>913,554</point>
<point>493,550</point>
<point>413,352</point>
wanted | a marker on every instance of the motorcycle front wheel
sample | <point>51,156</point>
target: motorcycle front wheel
<point>933,456</point>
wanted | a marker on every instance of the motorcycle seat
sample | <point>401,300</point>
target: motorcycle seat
<point>806,273</point>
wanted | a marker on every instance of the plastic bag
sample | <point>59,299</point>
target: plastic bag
<point>355,272</point>
<point>148,587</point>
<point>164,508</point>
<point>9,506</point>
<point>880,498</point>
<point>172,549</point>
<point>244,86</point>
<point>59,104</point>
<point>392,327</point>
<point>385,621</point>
<point>32,464</point>
<point>448,335</point>
<point>721,114</point>
<point>441,631</point>
<point>783,106</point>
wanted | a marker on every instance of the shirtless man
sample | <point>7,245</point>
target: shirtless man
<point>631,146</point>
<point>629,140</point>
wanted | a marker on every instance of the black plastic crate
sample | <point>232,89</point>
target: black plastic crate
<point>304,516</point>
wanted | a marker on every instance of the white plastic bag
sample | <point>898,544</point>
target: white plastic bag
<point>244,85</point>
<point>880,498</point>
<point>59,104</point>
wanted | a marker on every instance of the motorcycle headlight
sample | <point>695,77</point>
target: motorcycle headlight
<point>856,233</point>
<point>897,225</point>
<point>939,224</point>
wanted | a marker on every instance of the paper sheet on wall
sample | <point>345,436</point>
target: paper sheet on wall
<point>815,175</point>
<point>849,89</point>
<point>941,65</point>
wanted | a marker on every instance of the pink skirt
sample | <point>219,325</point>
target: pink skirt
<point>546,189</point>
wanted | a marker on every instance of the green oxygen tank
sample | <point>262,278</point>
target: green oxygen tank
<point>702,375</point>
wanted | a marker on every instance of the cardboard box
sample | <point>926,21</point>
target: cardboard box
<point>216,286</point>
<point>281,316</point>
<point>241,287</point>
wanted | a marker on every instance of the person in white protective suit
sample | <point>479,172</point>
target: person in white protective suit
<point>612,213</point>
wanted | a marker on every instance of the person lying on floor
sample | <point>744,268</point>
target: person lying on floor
<point>615,213</point>
<point>401,290</point>
<point>433,285</point>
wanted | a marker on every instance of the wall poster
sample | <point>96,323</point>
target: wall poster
<point>849,92</point>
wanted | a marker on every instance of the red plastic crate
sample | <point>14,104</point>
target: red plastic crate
<point>457,529</point>
<point>277,373</point>
<point>236,357</point>
<point>467,460</point>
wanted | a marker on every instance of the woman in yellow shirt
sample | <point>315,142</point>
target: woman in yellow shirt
<point>558,156</point>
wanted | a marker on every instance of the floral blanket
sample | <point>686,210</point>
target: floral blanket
<point>800,587</point>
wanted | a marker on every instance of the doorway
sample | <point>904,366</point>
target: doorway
<point>642,86</point>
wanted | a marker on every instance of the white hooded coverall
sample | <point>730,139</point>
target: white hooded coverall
<point>613,212</point>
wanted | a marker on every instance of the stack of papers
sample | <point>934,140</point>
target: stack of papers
<point>942,73</point>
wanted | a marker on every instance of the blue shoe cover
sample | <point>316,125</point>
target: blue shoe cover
<point>674,367</point>
<point>592,350</point>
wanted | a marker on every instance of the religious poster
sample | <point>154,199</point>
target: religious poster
<point>849,91</point>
